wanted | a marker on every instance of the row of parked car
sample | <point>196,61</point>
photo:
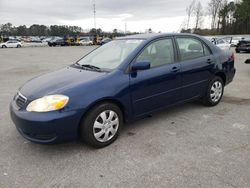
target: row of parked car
<point>44,39</point>
<point>242,44</point>
<point>30,39</point>
<point>225,43</point>
<point>58,41</point>
<point>83,41</point>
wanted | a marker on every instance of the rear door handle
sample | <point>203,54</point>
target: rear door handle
<point>175,69</point>
<point>209,61</point>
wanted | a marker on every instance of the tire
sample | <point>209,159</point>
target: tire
<point>4,46</point>
<point>18,46</point>
<point>95,132</point>
<point>214,92</point>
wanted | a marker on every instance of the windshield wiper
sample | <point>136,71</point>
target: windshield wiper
<point>89,67</point>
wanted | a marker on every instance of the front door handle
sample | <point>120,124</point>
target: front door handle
<point>175,69</point>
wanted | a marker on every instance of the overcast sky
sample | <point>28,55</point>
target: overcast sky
<point>160,15</point>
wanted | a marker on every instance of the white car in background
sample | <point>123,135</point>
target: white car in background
<point>11,44</point>
<point>86,42</point>
<point>235,41</point>
<point>223,44</point>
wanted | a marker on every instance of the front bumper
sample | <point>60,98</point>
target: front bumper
<point>46,128</point>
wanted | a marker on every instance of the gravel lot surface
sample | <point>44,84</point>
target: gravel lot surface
<point>184,146</point>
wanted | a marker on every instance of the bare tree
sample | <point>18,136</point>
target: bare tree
<point>214,7</point>
<point>198,13</point>
<point>189,11</point>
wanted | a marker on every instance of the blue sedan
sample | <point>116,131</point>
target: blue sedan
<point>126,79</point>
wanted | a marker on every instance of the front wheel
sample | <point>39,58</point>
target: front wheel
<point>214,92</point>
<point>102,125</point>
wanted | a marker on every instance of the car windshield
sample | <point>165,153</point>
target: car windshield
<point>221,41</point>
<point>110,55</point>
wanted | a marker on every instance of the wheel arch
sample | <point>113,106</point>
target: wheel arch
<point>222,75</point>
<point>101,101</point>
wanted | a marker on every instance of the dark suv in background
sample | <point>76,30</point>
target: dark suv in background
<point>243,46</point>
<point>57,42</point>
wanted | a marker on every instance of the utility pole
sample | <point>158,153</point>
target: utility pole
<point>125,28</point>
<point>94,11</point>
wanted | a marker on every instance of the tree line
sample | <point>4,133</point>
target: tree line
<point>54,30</point>
<point>226,17</point>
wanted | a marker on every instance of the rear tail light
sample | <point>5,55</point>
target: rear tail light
<point>232,58</point>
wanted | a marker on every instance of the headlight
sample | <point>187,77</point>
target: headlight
<point>48,103</point>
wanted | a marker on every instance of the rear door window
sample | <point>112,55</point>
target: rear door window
<point>191,48</point>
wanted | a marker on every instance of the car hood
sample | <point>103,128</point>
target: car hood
<point>58,82</point>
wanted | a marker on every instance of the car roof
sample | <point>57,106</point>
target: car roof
<point>155,35</point>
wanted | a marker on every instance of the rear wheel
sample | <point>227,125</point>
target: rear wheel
<point>18,46</point>
<point>4,46</point>
<point>102,125</point>
<point>214,92</point>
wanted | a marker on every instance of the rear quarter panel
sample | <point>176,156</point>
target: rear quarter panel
<point>226,65</point>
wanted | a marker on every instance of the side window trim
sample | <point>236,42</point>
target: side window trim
<point>209,50</point>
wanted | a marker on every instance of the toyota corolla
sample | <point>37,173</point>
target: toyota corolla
<point>123,80</point>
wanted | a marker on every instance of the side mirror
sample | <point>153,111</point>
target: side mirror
<point>247,61</point>
<point>141,65</point>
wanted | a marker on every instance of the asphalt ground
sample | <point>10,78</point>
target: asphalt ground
<point>184,146</point>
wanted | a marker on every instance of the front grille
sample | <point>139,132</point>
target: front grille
<point>20,100</point>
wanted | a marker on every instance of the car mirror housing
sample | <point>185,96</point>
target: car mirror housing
<point>141,65</point>
<point>247,61</point>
